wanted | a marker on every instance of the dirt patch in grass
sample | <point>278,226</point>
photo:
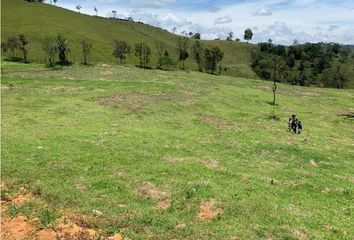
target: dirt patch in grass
<point>164,203</point>
<point>208,210</point>
<point>71,231</point>
<point>4,87</point>
<point>310,94</point>
<point>133,102</point>
<point>207,161</point>
<point>314,163</point>
<point>218,122</point>
<point>16,228</point>
<point>69,227</point>
<point>300,234</point>
<point>24,196</point>
<point>150,191</point>
<point>106,72</point>
<point>264,153</point>
<point>345,177</point>
<point>62,89</point>
<point>46,234</point>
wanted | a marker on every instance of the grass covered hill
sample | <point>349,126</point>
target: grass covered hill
<point>175,155</point>
<point>38,21</point>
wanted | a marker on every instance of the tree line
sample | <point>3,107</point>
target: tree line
<point>56,51</point>
<point>309,64</point>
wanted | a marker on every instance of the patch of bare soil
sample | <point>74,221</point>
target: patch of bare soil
<point>71,231</point>
<point>106,72</point>
<point>164,203</point>
<point>314,163</point>
<point>46,234</point>
<point>149,191</point>
<point>345,177</point>
<point>23,197</point>
<point>135,102</point>
<point>130,101</point>
<point>181,225</point>
<point>208,210</point>
<point>70,227</point>
<point>264,153</point>
<point>210,163</point>
<point>310,94</point>
<point>16,228</point>
<point>218,122</point>
<point>3,87</point>
<point>346,114</point>
<point>299,234</point>
<point>207,161</point>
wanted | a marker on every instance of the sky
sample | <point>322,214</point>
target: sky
<point>279,20</point>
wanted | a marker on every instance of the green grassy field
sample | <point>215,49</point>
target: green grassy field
<point>152,150</point>
<point>49,21</point>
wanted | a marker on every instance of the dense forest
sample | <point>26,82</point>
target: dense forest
<point>309,64</point>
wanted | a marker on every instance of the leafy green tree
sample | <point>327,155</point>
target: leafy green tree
<point>197,50</point>
<point>12,44</point>
<point>248,35</point>
<point>182,46</point>
<point>4,47</point>
<point>230,36</point>
<point>196,36</point>
<point>50,49</point>
<point>63,49</point>
<point>78,7</point>
<point>161,47</point>
<point>212,57</point>
<point>121,50</point>
<point>24,46</point>
<point>344,54</point>
<point>278,74</point>
<point>86,51</point>
<point>143,52</point>
<point>335,77</point>
<point>165,62</point>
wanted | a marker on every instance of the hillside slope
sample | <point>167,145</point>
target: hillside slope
<point>176,154</point>
<point>38,21</point>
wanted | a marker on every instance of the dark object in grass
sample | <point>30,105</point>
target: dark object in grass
<point>274,117</point>
<point>346,115</point>
<point>271,103</point>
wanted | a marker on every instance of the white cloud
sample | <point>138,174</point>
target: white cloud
<point>215,9</point>
<point>262,12</point>
<point>223,20</point>
<point>152,3</point>
<point>305,20</point>
<point>108,1</point>
<point>332,27</point>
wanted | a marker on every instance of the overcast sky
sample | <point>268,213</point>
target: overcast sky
<point>282,21</point>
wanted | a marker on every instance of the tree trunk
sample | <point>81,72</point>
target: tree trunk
<point>62,57</point>
<point>274,89</point>
<point>24,57</point>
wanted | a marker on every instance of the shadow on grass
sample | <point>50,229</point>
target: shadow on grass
<point>271,103</point>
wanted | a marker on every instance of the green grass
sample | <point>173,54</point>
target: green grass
<point>38,21</point>
<point>91,138</point>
